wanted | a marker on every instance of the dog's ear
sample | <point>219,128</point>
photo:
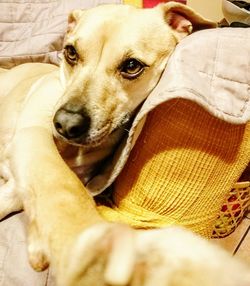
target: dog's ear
<point>73,19</point>
<point>184,20</point>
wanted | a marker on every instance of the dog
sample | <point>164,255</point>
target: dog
<point>113,57</point>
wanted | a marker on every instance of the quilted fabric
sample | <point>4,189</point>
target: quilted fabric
<point>34,30</point>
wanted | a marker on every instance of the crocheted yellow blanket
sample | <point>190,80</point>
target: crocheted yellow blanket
<point>181,169</point>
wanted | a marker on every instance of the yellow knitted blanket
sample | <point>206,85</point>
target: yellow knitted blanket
<point>181,169</point>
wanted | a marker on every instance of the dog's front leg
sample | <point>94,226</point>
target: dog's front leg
<point>57,205</point>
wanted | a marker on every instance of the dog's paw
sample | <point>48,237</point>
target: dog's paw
<point>104,254</point>
<point>37,257</point>
<point>116,255</point>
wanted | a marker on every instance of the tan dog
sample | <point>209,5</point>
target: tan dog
<point>113,58</point>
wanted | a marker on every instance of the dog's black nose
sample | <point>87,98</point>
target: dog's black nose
<point>71,124</point>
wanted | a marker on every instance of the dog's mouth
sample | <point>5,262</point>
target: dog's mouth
<point>87,140</point>
<point>97,138</point>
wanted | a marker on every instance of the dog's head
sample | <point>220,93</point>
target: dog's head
<point>113,57</point>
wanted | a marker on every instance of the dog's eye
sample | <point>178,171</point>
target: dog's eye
<point>70,54</point>
<point>131,68</point>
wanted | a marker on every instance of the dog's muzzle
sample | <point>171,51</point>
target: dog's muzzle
<point>72,123</point>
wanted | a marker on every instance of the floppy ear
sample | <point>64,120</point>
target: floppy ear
<point>73,19</point>
<point>184,20</point>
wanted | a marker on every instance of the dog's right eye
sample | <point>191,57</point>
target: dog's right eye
<point>70,54</point>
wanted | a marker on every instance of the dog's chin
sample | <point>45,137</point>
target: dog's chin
<point>84,141</point>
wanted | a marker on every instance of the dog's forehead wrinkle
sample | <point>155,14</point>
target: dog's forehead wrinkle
<point>79,46</point>
<point>91,51</point>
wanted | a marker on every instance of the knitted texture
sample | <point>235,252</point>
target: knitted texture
<point>181,169</point>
